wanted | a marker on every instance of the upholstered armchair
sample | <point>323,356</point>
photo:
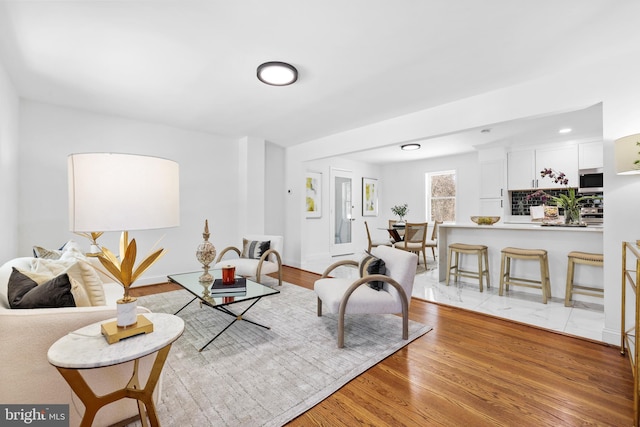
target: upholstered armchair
<point>388,293</point>
<point>260,254</point>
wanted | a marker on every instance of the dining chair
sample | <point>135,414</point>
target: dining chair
<point>433,243</point>
<point>415,237</point>
<point>373,244</point>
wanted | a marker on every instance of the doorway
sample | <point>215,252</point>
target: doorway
<point>341,212</point>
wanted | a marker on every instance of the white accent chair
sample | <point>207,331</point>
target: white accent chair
<point>269,262</point>
<point>346,296</point>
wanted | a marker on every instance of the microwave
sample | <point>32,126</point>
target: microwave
<point>591,180</point>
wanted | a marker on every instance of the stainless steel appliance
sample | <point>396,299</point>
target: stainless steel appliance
<point>592,215</point>
<point>591,180</point>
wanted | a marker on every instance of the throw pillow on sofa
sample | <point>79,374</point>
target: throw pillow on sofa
<point>79,270</point>
<point>77,289</point>
<point>41,252</point>
<point>25,293</point>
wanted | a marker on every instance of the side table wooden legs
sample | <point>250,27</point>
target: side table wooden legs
<point>132,390</point>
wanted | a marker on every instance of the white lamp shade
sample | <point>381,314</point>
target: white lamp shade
<point>122,192</point>
<point>627,152</point>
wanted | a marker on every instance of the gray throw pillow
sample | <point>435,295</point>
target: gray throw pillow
<point>372,265</point>
<point>23,292</point>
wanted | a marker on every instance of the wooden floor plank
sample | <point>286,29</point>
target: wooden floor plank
<point>477,370</point>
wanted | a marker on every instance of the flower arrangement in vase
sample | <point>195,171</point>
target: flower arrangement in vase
<point>569,201</point>
<point>401,211</point>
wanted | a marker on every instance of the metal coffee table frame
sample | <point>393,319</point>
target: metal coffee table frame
<point>219,301</point>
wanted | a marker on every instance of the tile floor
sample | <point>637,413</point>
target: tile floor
<point>584,319</point>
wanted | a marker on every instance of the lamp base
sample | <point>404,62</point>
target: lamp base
<point>114,333</point>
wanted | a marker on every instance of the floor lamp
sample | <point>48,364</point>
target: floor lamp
<point>123,192</point>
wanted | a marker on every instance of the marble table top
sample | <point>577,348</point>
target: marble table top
<point>87,347</point>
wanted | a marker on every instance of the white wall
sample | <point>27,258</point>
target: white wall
<point>405,183</point>
<point>316,232</point>
<point>208,181</point>
<point>9,107</point>
<point>274,191</point>
<point>612,81</point>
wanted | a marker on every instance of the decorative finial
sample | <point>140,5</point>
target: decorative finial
<point>206,229</point>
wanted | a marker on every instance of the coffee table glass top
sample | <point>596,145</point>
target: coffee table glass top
<point>191,282</point>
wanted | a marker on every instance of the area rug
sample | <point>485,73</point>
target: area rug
<point>251,376</point>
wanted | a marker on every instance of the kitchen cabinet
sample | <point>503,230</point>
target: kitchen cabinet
<point>492,188</point>
<point>590,155</point>
<point>491,207</point>
<point>491,179</point>
<point>523,167</point>
<point>521,170</point>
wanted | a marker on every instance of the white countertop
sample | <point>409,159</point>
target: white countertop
<point>528,226</point>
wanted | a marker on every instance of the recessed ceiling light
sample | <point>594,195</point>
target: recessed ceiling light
<point>565,130</point>
<point>410,147</point>
<point>277,73</point>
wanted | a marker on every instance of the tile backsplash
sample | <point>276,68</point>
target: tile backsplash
<point>520,205</point>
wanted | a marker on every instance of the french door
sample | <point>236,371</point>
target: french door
<point>341,214</point>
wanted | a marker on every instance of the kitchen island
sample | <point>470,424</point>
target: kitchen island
<point>557,241</point>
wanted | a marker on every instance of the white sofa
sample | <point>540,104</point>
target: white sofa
<point>27,334</point>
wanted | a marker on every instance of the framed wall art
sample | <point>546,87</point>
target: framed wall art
<point>313,195</point>
<point>369,197</point>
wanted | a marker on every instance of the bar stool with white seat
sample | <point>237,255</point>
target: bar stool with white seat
<point>584,258</point>
<point>539,255</point>
<point>480,251</point>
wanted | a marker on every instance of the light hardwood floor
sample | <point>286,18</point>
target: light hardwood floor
<point>476,370</point>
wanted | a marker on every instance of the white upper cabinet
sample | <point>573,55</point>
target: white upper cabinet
<point>563,159</point>
<point>492,179</point>
<point>590,155</point>
<point>523,167</point>
<point>521,170</point>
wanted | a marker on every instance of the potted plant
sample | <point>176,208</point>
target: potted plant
<point>401,211</point>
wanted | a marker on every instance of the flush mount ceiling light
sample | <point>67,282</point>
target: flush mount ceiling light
<point>410,147</point>
<point>277,73</point>
<point>565,130</point>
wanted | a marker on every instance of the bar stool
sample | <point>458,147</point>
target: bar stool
<point>539,255</point>
<point>585,258</point>
<point>462,248</point>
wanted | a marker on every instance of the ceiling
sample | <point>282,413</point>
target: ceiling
<point>192,64</point>
<point>585,125</point>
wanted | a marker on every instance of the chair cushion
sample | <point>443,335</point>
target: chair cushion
<point>362,300</point>
<point>254,249</point>
<point>25,293</point>
<point>372,265</point>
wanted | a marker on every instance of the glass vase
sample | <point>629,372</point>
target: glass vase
<point>572,215</point>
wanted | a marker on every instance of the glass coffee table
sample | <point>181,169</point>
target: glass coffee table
<point>221,300</point>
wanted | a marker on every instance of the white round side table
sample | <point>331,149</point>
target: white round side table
<point>86,348</point>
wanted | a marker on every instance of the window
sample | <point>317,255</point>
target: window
<point>441,196</point>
